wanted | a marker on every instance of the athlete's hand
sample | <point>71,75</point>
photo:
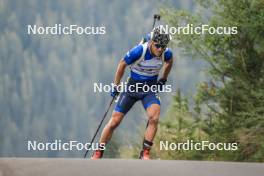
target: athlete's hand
<point>114,92</point>
<point>161,83</point>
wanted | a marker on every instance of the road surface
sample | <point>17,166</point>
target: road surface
<point>123,167</point>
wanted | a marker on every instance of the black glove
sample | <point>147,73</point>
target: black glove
<point>114,92</point>
<point>161,83</point>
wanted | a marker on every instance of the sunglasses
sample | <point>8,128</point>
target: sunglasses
<point>160,46</point>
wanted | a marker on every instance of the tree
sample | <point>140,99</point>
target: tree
<point>233,100</point>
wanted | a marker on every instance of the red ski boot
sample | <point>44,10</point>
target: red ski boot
<point>144,154</point>
<point>98,154</point>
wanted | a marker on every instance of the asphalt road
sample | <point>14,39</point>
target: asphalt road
<point>122,167</point>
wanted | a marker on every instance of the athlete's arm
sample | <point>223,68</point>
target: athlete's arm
<point>167,68</point>
<point>120,71</point>
<point>168,56</point>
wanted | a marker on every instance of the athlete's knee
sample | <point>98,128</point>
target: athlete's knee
<point>115,120</point>
<point>153,120</point>
<point>153,114</point>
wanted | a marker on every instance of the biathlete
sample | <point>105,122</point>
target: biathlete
<point>145,61</point>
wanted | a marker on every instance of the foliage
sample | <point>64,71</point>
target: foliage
<point>229,107</point>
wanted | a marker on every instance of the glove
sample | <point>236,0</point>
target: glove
<point>161,82</point>
<point>114,92</point>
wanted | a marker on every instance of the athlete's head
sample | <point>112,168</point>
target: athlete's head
<point>159,40</point>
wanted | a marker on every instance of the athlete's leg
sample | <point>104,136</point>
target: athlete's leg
<point>153,113</point>
<point>151,103</point>
<point>124,104</point>
<point>109,128</point>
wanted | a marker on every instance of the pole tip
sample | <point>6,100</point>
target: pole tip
<point>157,16</point>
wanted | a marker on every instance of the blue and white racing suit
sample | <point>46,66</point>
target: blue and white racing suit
<point>145,69</point>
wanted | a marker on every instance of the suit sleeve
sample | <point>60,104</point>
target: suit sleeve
<point>133,55</point>
<point>168,54</point>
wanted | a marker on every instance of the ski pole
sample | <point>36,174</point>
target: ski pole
<point>99,126</point>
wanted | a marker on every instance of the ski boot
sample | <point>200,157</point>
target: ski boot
<point>98,154</point>
<point>144,154</point>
